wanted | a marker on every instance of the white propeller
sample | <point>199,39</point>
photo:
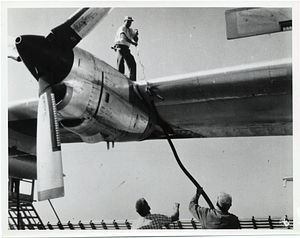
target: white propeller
<point>49,164</point>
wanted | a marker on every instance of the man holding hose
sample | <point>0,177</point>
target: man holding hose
<point>216,218</point>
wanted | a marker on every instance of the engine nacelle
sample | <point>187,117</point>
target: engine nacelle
<point>100,103</point>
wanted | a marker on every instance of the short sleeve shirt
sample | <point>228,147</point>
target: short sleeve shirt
<point>128,32</point>
<point>151,221</point>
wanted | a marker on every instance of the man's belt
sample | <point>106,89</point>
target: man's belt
<point>121,46</point>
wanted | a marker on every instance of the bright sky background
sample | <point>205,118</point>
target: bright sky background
<point>103,184</point>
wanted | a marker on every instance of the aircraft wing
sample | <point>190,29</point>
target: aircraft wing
<point>246,100</point>
<point>22,118</point>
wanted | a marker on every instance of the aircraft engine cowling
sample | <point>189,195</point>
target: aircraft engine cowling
<point>100,104</point>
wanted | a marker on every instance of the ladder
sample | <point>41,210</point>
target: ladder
<point>22,214</point>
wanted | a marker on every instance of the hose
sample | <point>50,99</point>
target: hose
<point>162,124</point>
<point>187,172</point>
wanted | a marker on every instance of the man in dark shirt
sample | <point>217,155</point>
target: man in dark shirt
<point>218,218</point>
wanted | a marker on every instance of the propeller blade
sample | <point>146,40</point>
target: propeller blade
<point>49,160</point>
<point>53,57</point>
<point>79,25</point>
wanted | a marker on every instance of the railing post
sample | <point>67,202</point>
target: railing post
<point>70,225</point>
<point>60,226</point>
<point>254,223</point>
<point>193,224</point>
<point>286,218</point>
<point>81,225</point>
<point>270,222</point>
<point>116,225</point>
<point>92,225</point>
<point>127,225</point>
<point>103,225</point>
<point>50,226</point>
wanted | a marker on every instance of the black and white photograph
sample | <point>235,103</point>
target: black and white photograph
<point>150,119</point>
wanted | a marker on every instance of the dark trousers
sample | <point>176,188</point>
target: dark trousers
<point>123,54</point>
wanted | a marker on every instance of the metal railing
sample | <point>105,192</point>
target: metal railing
<point>253,223</point>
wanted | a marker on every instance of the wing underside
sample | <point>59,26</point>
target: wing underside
<point>249,100</point>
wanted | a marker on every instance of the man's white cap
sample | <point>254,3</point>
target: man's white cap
<point>127,18</point>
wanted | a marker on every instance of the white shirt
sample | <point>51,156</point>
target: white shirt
<point>128,32</point>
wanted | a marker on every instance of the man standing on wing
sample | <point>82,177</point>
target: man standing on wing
<point>125,37</point>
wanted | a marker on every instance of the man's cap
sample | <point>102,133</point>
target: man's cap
<point>127,18</point>
<point>142,205</point>
<point>224,201</point>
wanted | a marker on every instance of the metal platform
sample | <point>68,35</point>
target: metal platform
<point>22,214</point>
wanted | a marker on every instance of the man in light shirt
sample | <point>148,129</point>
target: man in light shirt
<point>125,37</point>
